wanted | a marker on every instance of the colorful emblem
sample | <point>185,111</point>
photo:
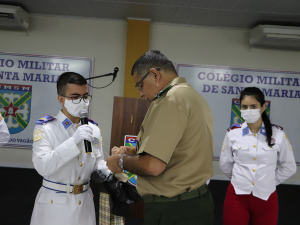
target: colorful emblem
<point>273,140</point>
<point>15,106</point>
<point>95,141</point>
<point>245,131</point>
<point>263,131</point>
<point>130,140</point>
<point>67,123</point>
<point>236,113</point>
<point>45,119</point>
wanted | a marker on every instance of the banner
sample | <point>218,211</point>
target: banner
<point>219,85</point>
<point>28,90</point>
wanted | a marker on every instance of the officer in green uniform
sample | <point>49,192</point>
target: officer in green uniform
<point>174,155</point>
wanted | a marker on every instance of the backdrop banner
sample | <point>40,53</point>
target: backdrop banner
<point>28,90</point>
<point>220,86</point>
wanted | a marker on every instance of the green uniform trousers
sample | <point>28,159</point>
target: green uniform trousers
<point>194,211</point>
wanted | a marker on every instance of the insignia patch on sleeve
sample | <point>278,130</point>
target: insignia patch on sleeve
<point>95,141</point>
<point>37,135</point>
<point>1,117</point>
<point>291,149</point>
<point>287,137</point>
<point>223,147</point>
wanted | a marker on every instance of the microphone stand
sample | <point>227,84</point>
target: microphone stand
<point>114,74</point>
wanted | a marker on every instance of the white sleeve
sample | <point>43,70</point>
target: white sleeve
<point>47,160</point>
<point>100,162</point>
<point>4,132</point>
<point>287,161</point>
<point>226,159</point>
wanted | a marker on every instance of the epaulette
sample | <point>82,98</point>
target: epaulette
<point>45,119</point>
<point>234,126</point>
<point>277,126</point>
<point>93,122</point>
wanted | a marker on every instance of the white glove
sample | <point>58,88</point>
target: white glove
<point>84,132</point>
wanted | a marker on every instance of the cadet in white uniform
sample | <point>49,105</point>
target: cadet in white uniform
<point>59,156</point>
<point>249,158</point>
<point>4,133</point>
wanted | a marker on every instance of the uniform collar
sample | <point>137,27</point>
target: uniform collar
<point>246,130</point>
<point>174,82</point>
<point>65,121</point>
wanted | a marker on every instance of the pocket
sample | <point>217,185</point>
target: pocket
<point>52,199</point>
<point>240,151</point>
<point>270,153</point>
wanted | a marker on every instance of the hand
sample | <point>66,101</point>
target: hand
<point>112,162</point>
<point>84,132</point>
<point>121,150</point>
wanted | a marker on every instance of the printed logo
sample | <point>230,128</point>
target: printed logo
<point>236,113</point>
<point>15,106</point>
<point>130,140</point>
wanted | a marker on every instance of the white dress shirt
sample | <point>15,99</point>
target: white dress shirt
<point>250,163</point>
<point>4,132</point>
<point>57,158</point>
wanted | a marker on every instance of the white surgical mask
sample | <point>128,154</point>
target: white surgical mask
<point>74,109</point>
<point>251,115</point>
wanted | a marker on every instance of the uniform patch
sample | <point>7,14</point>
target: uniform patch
<point>95,141</point>
<point>67,123</point>
<point>290,147</point>
<point>263,131</point>
<point>1,117</point>
<point>93,122</point>
<point>245,131</point>
<point>223,147</point>
<point>234,126</point>
<point>273,140</point>
<point>37,135</point>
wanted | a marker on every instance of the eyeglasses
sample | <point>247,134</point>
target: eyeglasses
<point>137,85</point>
<point>77,99</point>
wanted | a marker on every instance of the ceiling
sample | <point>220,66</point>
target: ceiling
<point>218,13</point>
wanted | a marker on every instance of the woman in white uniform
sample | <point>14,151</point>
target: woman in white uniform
<point>249,158</point>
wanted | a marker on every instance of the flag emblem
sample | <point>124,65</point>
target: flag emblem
<point>15,106</point>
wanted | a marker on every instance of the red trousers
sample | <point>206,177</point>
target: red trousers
<point>239,209</point>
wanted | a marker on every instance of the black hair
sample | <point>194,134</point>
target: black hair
<point>152,59</point>
<point>259,96</point>
<point>69,78</point>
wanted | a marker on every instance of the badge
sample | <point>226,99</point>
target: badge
<point>287,137</point>
<point>1,117</point>
<point>67,123</point>
<point>37,135</point>
<point>95,141</point>
<point>223,147</point>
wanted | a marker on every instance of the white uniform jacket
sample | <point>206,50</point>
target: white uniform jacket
<point>250,163</point>
<point>4,133</point>
<point>57,158</point>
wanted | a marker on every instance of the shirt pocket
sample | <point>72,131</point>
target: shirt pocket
<point>240,152</point>
<point>269,154</point>
<point>52,199</point>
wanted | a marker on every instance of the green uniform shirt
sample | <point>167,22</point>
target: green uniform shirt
<point>178,129</point>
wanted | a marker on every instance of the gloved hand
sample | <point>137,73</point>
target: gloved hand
<point>84,132</point>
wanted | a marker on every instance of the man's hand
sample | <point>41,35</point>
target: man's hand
<point>121,150</point>
<point>112,163</point>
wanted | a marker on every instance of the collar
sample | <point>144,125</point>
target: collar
<point>246,130</point>
<point>65,121</point>
<point>171,84</point>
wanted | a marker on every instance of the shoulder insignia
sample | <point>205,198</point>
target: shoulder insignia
<point>93,122</point>
<point>234,126</point>
<point>277,126</point>
<point>45,119</point>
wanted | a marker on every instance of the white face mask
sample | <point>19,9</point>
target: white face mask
<point>251,115</point>
<point>74,109</point>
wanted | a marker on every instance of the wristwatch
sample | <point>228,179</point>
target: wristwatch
<point>121,161</point>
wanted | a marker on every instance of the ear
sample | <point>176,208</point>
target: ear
<point>157,75</point>
<point>61,100</point>
<point>263,108</point>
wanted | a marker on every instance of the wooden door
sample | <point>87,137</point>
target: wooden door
<point>128,115</point>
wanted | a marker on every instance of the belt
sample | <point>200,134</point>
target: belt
<point>184,196</point>
<point>66,188</point>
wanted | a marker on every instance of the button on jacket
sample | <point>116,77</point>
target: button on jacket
<point>250,163</point>
<point>57,158</point>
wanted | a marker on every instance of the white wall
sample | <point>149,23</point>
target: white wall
<point>222,47</point>
<point>105,40</point>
